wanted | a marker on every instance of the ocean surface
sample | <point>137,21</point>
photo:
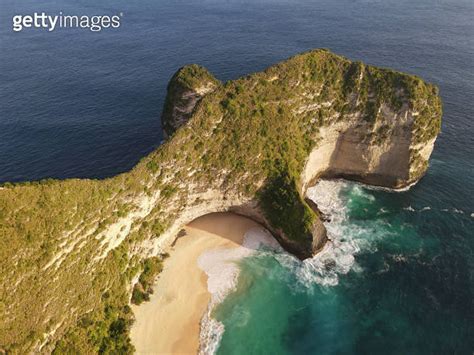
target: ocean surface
<point>398,278</point>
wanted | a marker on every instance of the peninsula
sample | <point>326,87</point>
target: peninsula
<point>72,251</point>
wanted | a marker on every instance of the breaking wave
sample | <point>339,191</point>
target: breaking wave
<point>346,240</point>
<point>221,267</point>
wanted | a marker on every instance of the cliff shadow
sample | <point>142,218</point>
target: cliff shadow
<point>227,225</point>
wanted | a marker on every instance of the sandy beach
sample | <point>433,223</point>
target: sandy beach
<point>170,321</point>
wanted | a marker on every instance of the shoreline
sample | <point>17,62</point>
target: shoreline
<point>170,322</point>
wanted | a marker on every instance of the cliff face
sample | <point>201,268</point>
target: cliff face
<point>70,250</point>
<point>375,126</point>
<point>185,90</point>
<point>346,151</point>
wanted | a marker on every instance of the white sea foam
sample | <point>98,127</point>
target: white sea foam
<point>222,271</point>
<point>345,240</point>
<point>386,189</point>
<point>382,211</point>
<point>453,210</point>
<point>211,333</point>
<point>336,258</point>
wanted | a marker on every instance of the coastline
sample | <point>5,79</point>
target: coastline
<point>170,321</point>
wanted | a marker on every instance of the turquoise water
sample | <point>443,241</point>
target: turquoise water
<point>383,287</point>
<point>400,279</point>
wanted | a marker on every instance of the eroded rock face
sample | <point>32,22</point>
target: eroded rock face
<point>379,129</point>
<point>347,151</point>
<point>71,249</point>
<point>185,90</point>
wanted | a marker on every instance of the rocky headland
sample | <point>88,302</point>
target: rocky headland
<point>72,250</point>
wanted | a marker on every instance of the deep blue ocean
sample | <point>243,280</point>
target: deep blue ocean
<point>75,103</point>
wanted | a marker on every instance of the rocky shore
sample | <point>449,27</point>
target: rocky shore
<point>71,250</point>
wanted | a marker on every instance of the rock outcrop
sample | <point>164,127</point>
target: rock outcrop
<point>185,90</point>
<point>71,249</point>
<point>378,139</point>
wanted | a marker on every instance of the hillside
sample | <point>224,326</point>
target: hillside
<point>72,250</point>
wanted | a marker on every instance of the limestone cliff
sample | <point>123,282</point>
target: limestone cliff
<point>71,249</point>
<point>185,90</point>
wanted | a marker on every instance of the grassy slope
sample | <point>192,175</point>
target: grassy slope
<point>246,131</point>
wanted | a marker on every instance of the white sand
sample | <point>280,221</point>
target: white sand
<point>170,321</point>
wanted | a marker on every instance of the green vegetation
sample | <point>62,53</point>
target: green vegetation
<point>104,331</point>
<point>143,288</point>
<point>283,205</point>
<point>188,79</point>
<point>69,250</point>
